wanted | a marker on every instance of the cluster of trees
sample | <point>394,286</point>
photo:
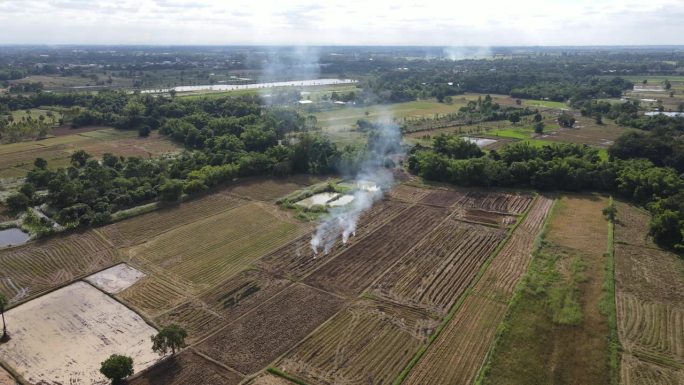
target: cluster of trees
<point>225,137</point>
<point>568,167</point>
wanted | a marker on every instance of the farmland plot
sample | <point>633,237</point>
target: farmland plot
<point>439,270</point>
<point>116,278</point>
<point>458,352</point>
<point>144,227</point>
<point>186,368</point>
<point>650,303</point>
<point>355,268</point>
<point>208,251</point>
<point>367,343</point>
<point>297,259</point>
<point>268,379</point>
<point>155,293</point>
<point>253,341</point>
<point>408,193</point>
<point>6,378</point>
<point>269,189</point>
<point>62,337</point>
<point>36,267</point>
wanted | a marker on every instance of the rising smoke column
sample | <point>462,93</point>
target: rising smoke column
<point>341,222</point>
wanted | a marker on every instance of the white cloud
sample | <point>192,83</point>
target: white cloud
<point>452,22</point>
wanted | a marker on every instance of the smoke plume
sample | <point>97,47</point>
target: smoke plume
<point>372,180</point>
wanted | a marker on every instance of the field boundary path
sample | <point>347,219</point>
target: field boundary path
<point>459,350</point>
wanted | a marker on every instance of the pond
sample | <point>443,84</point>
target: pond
<point>233,87</point>
<point>13,236</point>
<point>481,142</point>
<point>318,199</point>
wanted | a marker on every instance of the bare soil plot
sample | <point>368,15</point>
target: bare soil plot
<point>650,303</point>
<point>437,272</point>
<point>367,343</point>
<point>511,203</point>
<point>39,266</point>
<point>208,251</point>
<point>444,198</point>
<point>297,259</point>
<point>457,354</point>
<point>186,368</point>
<point>585,131</point>
<point>116,278</point>
<point>62,337</point>
<point>253,341</point>
<point>145,227</point>
<point>351,271</point>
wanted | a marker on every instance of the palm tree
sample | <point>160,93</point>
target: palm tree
<point>3,304</point>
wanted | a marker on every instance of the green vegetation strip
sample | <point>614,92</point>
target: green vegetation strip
<point>286,376</point>
<point>607,304</point>
<point>404,373</point>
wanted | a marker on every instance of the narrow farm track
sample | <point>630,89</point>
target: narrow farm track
<point>457,354</point>
<point>650,304</point>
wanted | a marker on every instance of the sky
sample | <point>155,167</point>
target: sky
<point>343,22</point>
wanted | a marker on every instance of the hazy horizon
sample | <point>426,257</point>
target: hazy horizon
<point>350,23</point>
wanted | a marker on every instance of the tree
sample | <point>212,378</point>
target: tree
<point>598,119</point>
<point>514,117</point>
<point>144,131</point>
<point>539,128</point>
<point>116,368</point>
<point>171,190</point>
<point>171,337</point>
<point>610,212</point>
<point>3,304</point>
<point>668,85</point>
<point>79,158</point>
<point>537,117</point>
<point>566,120</point>
<point>18,202</point>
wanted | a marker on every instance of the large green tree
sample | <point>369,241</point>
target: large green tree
<point>171,337</point>
<point>116,368</point>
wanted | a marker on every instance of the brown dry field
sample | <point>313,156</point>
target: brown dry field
<point>6,378</point>
<point>351,271</point>
<point>437,272</point>
<point>259,337</point>
<point>650,303</point>
<point>144,227</point>
<point>369,342</point>
<point>186,368</point>
<point>16,159</point>
<point>296,259</point>
<point>457,354</point>
<point>270,189</point>
<point>585,131</point>
<point>31,269</point>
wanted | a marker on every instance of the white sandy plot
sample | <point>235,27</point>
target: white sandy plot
<point>116,278</point>
<point>62,337</point>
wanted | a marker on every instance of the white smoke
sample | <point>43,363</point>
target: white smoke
<point>372,180</point>
<point>462,53</point>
